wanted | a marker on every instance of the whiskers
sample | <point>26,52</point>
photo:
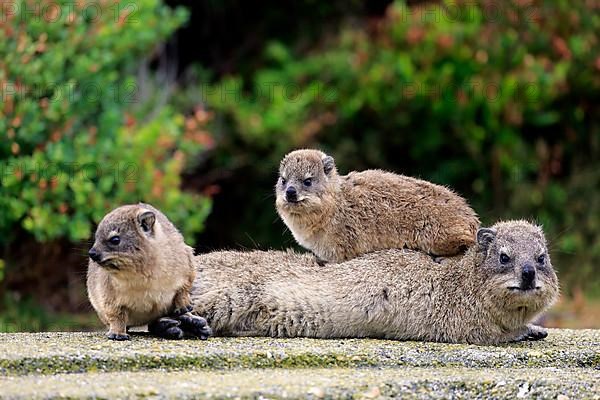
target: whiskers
<point>268,196</point>
<point>555,239</point>
<point>254,243</point>
<point>82,247</point>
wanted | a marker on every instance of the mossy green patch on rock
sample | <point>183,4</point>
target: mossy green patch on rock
<point>367,383</point>
<point>49,353</point>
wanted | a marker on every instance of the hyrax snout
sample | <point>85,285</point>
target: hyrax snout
<point>341,217</point>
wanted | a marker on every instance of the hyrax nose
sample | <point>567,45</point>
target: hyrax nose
<point>291,194</point>
<point>94,255</point>
<point>527,276</point>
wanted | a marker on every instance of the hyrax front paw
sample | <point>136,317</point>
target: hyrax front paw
<point>195,326</point>
<point>320,261</point>
<point>180,311</point>
<point>167,328</point>
<point>117,336</point>
<point>532,333</point>
<point>535,332</point>
<point>439,259</point>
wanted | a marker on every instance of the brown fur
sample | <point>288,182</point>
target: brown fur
<point>395,294</point>
<point>148,275</point>
<point>341,217</point>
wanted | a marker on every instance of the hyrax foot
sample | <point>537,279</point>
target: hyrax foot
<point>439,259</point>
<point>533,333</point>
<point>320,261</point>
<point>117,336</point>
<point>443,260</point>
<point>167,328</point>
<point>195,325</point>
<point>180,311</point>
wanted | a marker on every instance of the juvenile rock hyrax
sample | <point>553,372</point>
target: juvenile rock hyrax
<point>488,295</point>
<point>140,271</point>
<point>341,217</point>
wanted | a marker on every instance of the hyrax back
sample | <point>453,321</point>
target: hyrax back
<point>488,295</point>
<point>140,269</point>
<point>341,217</point>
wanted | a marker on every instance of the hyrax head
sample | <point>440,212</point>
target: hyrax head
<point>123,238</point>
<point>303,180</point>
<point>517,267</point>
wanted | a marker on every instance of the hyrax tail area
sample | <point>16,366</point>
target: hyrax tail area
<point>341,217</point>
<point>139,270</point>
<point>483,297</point>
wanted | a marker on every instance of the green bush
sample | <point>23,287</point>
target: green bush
<point>73,148</point>
<point>499,100</point>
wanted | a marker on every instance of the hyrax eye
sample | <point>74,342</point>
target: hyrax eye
<point>283,180</point>
<point>307,182</point>
<point>115,240</point>
<point>504,259</point>
<point>541,258</point>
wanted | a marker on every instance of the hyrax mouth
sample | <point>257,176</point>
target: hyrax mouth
<point>109,263</point>
<point>292,204</point>
<point>295,202</point>
<point>518,289</point>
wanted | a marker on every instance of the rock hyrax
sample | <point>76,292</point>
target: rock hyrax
<point>141,270</point>
<point>488,295</point>
<point>341,217</point>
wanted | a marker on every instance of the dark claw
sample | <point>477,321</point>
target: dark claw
<point>173,333</point>
<point>117,336</point>
<point>536,335</point>
<point>183,310</point>
<point>320,261</point>
<point>533,333</point>
<point>163,323</point>
<point>195,326</point>
<point>167,328</point>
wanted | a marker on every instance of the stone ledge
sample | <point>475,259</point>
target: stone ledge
<point>367,383</point>
<point>52,353</point>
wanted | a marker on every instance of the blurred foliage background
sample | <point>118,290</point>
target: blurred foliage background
<point>191,105</point>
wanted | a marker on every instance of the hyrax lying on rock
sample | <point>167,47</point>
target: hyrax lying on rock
<point>487,296</point>
<point>341,217</point>
<point>141,270</point>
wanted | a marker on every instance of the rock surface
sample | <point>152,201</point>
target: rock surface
<point>566,365</point>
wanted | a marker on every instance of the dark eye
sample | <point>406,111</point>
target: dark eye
<point>283,180</point>
<point>307,182</point>
<point>115,240</point>
<point>504,259</point>
<point>541,259</point>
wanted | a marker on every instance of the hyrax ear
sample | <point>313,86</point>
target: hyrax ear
<point>328,164</point>
<point>485,236</point>
<point>146,220</point>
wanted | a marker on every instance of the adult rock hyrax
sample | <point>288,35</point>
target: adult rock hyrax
<point>488,295</point>
<point>339,217</point>
<point>140,271</point>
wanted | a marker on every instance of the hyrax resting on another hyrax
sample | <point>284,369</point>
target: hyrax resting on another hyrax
<point>339,217</point>
<point>140,272</point>
<point>488,295</point>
